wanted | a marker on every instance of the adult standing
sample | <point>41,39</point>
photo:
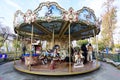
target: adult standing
<point>84,49</point>
<point>24,49</point>
<point>90,52</point>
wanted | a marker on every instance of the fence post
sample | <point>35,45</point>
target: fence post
<point>118,57</point>
<point>102,56</point>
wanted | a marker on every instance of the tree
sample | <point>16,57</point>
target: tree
<point>108,23</point>
<point>1,41</point>
<point>117,45</point>
<point>16,44</point>
<point>7,46</point>
<point>101,45</point>
<point>80,42</point>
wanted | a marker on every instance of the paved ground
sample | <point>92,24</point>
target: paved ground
<point>106,72</point>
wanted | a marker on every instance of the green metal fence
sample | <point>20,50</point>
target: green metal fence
<point>10,57</point>
<point>114,57</point>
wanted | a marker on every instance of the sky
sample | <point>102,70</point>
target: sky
<point>9,7</point>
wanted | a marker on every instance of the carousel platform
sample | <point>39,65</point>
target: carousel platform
<point>60,69</point>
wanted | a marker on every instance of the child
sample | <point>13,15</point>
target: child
<point>79,58</point>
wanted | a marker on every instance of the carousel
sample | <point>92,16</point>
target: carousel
<point>58,27</point>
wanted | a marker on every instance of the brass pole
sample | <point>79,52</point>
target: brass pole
<point>70,69</point>
<point>31,49</point>
<point>96,48</point>
<point>53,37</point>
<point>41,44</point>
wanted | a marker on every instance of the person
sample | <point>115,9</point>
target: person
<point>22,58</point>
<point>76,56</point>
<point>24,49</point>
<point>90,52</point>
<point>43,58</point>
<point>33,49</point>
<point>38,49</point>
<point>84,49</point>
<point>107,50</point>
<point>79,57</point>
<point>55,53</point>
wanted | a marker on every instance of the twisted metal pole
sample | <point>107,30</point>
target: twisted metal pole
<point>70,67</point>
<point>31,48</point>
<point>96,52</point>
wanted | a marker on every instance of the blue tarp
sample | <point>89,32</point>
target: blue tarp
<point>27,54</point>
<point>3,55</point>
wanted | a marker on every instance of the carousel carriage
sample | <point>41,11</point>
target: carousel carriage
<point>57,26</point>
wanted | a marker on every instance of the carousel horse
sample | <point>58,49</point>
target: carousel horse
<point>43,57</point>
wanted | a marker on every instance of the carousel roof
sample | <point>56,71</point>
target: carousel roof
<point>49,17</point>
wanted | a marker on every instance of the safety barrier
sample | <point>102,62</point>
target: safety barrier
<point>114,57</point>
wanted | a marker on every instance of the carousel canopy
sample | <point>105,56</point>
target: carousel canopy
<point>49,18</point>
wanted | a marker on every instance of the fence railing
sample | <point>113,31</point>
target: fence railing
<point>101,56</point>
<point>10,57</point>
<point>114,57</point>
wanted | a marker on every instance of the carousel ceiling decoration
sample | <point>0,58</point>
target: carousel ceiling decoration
<point>49,16</point>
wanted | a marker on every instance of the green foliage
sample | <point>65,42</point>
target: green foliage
<point>6,45</point>
<point>16,44</point>
<point>93,40</point>
<point>1,44</point>
<point>101,45</point>
<point>117,45</point>
<point>80,42</point>
<point>77,48</point>
<point>1,38</point>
